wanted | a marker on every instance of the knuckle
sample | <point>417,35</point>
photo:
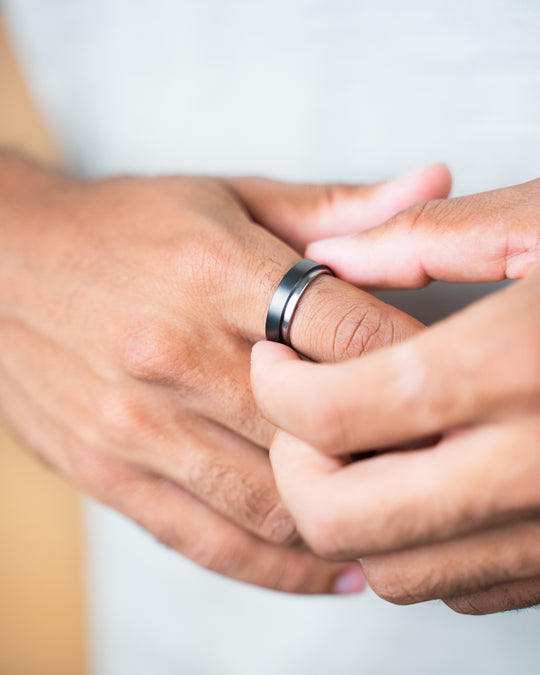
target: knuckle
<point>325,202</point>
<point>359,332</point>
<point>397,583</point>
<point>348,335</point>
<point>216,556</point>
<point>466,605</point>
<point>292,574</point>
<point>243,498</point>
<point>153,354</point>
<point>428,215</point>
<point>422,391</point>
<point>327,196</point>
<point>124,419</point>
<point>414,218</point>
<point>212,552</point>
<point>324,425</point>
<point>276,525</point>
<point>170,536</point>
<point>338,321</point>
<point>319,531</point>
<point>287,576</point>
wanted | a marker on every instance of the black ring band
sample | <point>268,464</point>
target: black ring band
<point>287,296</point>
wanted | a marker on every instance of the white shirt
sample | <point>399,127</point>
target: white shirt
<point>297,89</point>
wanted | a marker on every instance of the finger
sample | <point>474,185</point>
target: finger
<point>333,320</point>
<point>483,237</point>
<point>219,467</point>
<point>502,598</point>
<point>165,355</point>
<point>451,374</point>
<point>459,567</point>
<point>191,528</point>
<point>403,499</point>
<point>231,383</point>
<point>173,515</point>
<point>223,469</point>
<point>300,213</point>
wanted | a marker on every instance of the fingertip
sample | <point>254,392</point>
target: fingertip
<point>352,258</point>
<point>350,580</point>
<point>433,181</point>
<point>268,351</point>
<point>438,181</point>
<point>266,358</point>
<point>267,354</point>
<point>320,249</point>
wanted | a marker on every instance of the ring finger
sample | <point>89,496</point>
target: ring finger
<point>456,568</point>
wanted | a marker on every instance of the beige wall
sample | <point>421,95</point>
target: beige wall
<point>41,589</point>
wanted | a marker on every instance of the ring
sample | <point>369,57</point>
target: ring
<point>286,297</point>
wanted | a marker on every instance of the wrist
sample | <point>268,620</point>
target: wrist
<point>23,185</point>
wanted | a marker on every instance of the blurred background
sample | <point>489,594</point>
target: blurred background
<point>42,625</point>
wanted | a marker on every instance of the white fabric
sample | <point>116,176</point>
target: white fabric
<point>296,89</point>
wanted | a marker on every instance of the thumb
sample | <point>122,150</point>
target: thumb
<point>300,213</point>
<point>488,236</point>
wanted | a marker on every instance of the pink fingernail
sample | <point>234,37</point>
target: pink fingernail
<point>351,580</point>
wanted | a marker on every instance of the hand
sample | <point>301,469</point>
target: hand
<point>458,517</point>
<point>128,311</point>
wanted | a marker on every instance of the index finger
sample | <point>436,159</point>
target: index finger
<point>489,236</point>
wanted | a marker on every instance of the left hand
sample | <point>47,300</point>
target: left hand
<point>128,308</point>
<point>458,518</point>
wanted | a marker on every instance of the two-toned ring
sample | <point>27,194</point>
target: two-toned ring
<point>287,296</point>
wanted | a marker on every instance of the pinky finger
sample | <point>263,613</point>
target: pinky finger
<point>190,527</point>
<point>501,598</point>
<point>172,514</point>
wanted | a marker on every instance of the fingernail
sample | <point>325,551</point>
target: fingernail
<point>351,580</point>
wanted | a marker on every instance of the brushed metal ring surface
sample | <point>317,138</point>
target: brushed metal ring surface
<point>287,296</point>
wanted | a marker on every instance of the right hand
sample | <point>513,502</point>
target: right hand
<point>128,308</point>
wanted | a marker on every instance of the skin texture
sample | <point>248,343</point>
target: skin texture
<point>458,517</point>
<point>128,309</point>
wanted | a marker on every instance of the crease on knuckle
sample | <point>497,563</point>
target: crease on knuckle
<point>467,604</point>
<point>217,556</point>
<point>326,201</point>
<point>348,335</point>
<point>276,524</point>
<point>376,333</point>
<point>357,333</point>
<point>327,197</point>
<point>414,218</point>
<point>520,251</point>
<point>435,214</point>
<point>290,575</point>
<point>213,551</point>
